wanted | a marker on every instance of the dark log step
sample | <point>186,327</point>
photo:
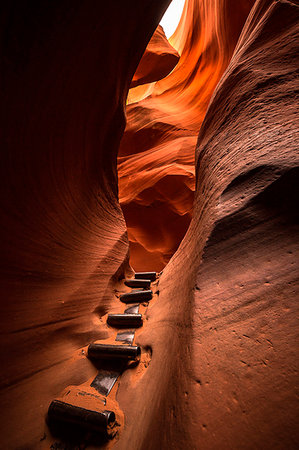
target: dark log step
<point>136,296</point>
<point>125,320</point>
<point>142,284</point>
<point>101,422</point>
<point>114,352</point>
<point>146,276</point>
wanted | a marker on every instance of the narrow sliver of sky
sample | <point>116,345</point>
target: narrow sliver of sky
<point>172,16</point>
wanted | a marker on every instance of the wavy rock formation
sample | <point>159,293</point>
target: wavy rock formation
<point>224,332</point>
<point>158,60</point>
<point>159,140</point>
<point>219,361</point>
<point>63,236</point>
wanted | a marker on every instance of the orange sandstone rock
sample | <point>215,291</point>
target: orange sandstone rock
<point>219,360</point>
<point>224,364</point>
<point>157,61</point>
<point>156,156</point>
<point>63,237</point>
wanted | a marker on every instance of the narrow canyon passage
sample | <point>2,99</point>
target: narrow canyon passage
<point>124,151</point>
<point>164,114</point>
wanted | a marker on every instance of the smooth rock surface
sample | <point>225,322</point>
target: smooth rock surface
<point>228,350</point>
<point>67,70</point>
<point>163,120</point>
<point>158,60</point>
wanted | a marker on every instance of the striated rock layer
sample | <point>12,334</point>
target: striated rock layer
<point>157,61</point>
<point>219,340</point>
<point>163,123</point>
<point>67,70</point>
<point>223,334</point>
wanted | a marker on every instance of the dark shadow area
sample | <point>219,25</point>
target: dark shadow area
<point>73,437</point>
<point>278,200</point>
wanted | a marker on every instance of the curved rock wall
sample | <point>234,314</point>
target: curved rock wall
<point>224,358</point>
<point>159,140</point>
<point>221,361</point>
<point>158,60</point>
<point>67,69</point>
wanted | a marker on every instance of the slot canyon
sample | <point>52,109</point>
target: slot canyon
<point>131,158</point>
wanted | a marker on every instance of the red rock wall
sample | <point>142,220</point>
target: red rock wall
<point>223,334</point>
<point>159,140</point>
<point>67,69</point>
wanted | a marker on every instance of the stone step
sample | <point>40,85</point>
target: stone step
<point>133,309</point>
<point>105,380</point>
<point>126,336</point>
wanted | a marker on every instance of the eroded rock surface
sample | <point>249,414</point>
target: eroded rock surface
<point>224,332</point>
<point>219,360</point>
<point>156,163</point>
<point>158,60</point>
<point>67,70</point>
